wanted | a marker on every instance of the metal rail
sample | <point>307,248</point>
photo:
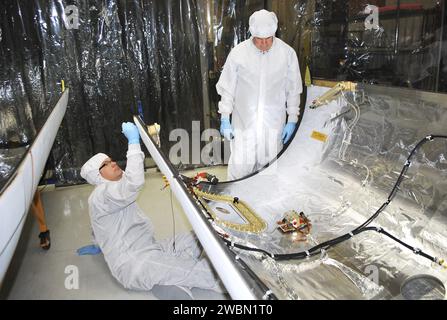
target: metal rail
<point>235,280</point>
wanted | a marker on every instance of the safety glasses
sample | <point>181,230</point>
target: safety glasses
<point>107,162</point>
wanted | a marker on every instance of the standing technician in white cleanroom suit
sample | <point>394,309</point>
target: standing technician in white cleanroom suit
<point>259,84</point>
<point>125,234</point>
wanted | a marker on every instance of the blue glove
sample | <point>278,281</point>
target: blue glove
<point>131,132</point>
<point>225,128</point>
<point>287,132</point>
<point>90,249</point>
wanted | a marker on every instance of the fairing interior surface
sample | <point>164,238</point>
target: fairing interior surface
<point>339,183</point>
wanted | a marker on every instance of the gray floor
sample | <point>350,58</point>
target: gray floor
<point>38,274</point>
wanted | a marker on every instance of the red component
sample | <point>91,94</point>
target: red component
<point>405,6</point>
<point>295,223</point>
<point>202,175</point>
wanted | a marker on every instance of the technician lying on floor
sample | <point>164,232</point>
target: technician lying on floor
<point>125,234</point>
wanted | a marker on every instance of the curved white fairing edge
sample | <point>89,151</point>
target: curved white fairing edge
<point>16,198</point>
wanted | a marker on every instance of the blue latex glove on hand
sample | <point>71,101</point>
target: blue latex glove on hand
<point>225,128</point>
<point>287,132</point>
<point>131,132</point>
<point>90,250</point>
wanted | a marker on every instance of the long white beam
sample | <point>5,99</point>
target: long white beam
<point>217,252</point>
<point>16,197</point>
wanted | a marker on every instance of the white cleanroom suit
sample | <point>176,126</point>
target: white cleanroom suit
<point>126,236</point>
<point>258,88</point>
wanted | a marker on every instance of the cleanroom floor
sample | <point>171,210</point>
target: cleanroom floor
<point>38,274</point>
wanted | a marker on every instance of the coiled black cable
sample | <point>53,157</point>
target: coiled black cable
<point>318,249</point>
<point>400,178</point>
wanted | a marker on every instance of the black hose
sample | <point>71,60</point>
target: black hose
<point>362,228</point>
<point>400,178</point>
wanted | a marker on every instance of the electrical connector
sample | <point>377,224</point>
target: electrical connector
<point>441,262</point>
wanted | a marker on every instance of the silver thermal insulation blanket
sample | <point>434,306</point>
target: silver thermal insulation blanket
<point>339,169</point>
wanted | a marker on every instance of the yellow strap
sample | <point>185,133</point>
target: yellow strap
<point>307,77</point>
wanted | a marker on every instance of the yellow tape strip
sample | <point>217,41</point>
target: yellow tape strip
<point>319,136</point>
<point>255,223</point>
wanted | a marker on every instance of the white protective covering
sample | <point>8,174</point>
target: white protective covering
<point>258,89</point>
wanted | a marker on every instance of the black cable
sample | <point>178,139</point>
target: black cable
<point>173,221</point>
<point>400,178</point>
<point>326,245</point>
<point>268,294</point>
<point>362,228</point>
<point>320,248</point>
<point>415,250</point>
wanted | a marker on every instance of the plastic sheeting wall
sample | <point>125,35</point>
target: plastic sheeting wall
<point>169,55</point>
<point>404,45</point>
<point>121,52</point>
